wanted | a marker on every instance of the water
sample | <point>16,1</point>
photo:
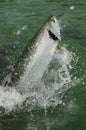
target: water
<point>51,105</point>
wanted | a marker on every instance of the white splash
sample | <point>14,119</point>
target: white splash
<point>10,98</point>
<point>46,93</point>
<point>24,27</point>
<point>72,7</point>
<point>21,29</point>
<point>43,93</point>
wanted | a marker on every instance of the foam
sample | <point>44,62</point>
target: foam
<point>10,98</point>
<point>45,92</point>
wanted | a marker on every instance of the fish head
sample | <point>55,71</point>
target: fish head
<point>54,28</point>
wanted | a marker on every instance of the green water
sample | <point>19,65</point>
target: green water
<point>19,21</point>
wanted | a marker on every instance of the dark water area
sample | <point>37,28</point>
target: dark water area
<point>19,22</point>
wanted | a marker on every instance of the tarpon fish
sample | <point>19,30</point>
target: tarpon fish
<point>36,56</point>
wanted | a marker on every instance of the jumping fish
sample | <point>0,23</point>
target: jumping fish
<point>36,56</point>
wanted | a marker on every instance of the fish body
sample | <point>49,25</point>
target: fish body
<point>37,55</point>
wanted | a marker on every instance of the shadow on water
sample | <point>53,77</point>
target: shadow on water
<point>74,34</point>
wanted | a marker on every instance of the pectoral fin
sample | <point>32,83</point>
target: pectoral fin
<point>59,48</point>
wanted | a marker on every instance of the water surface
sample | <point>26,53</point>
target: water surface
<point>19,21</point>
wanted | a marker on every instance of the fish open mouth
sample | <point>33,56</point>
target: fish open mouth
<point>52,35</point>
